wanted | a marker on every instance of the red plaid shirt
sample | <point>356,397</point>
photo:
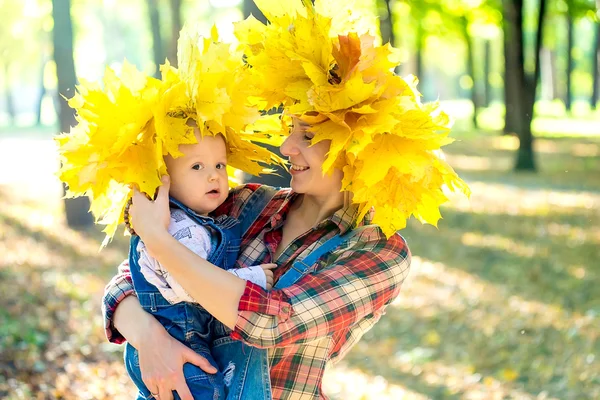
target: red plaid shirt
<point>316,320</point>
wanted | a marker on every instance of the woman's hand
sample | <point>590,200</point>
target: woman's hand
<point>150,218</point>
<point>161,363</point>
<point>161,356</point>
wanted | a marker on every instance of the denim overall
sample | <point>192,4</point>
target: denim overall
<point>190,323</point>
<point>243,369</point>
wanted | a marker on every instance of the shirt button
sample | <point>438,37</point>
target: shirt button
<point>285,309</point>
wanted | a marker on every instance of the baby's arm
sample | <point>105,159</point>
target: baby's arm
<point>193,236</point>
<point>261,275</point>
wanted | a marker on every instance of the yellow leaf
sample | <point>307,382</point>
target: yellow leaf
<point>509,374</point>
<point>432,338</point>
<point>489,381</point>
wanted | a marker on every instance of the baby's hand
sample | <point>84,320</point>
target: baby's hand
<point>268,270</point>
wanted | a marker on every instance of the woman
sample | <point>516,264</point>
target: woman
<point>360,140</point>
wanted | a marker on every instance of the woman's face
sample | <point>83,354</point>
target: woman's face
<point>307,161</point>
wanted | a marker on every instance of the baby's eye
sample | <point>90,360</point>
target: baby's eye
<point>221,166</point>
<point>308,138</point>
<point>197,167</point>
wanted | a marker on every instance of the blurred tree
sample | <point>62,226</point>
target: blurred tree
<point>422,27</point>
<point>8,98</point>
<point>76,209</point>
<point>11,44</point>
<point>45,56</point>
<point>176,26</point>
<point>565,16</point>
<point>595,64</point>
<point>525,85</point>
<point>157,45</point>
<point>570,62</point>
<point>475,20</point>
<point>487,64</point>
<point>465,20</point>
<point>42,91</point>
<point>468,38</point>
<point>386,22</point>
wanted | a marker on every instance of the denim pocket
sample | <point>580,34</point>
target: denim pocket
<point>231,252</point>
<point>199,324</point>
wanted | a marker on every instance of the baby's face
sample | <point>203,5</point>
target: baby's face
<point>199,177</point>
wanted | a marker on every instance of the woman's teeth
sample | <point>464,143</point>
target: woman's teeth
<point>298,168</point>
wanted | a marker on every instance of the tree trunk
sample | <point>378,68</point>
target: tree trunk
<point>10,104</point>
<point>41,93</point>
<point>525,156</point>
<point>76,209</point>
<point>471,68</point>
<point>595,69</point>
<point>386,25</point>
<point>175,28</point>
<point>419,51</point>
<point>512,73</point>
<point>570,39</point>
<point>487,89</point>
<point>157,46</point>
<point>555,90</point>
<point>250,8</point>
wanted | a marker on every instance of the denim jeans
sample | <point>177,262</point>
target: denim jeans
<point>243,371</point>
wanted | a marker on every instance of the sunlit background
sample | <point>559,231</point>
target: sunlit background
<point>502,301</point>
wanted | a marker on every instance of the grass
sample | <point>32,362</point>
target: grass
<point>501,302</point>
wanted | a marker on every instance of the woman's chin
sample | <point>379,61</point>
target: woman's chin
<point>297,186</point>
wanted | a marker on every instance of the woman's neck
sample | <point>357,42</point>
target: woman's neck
<point>314,210</point>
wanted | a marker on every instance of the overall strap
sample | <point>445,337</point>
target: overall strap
<point>254,206</point>
<point>300,267</point>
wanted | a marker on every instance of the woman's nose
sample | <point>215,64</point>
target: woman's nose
<point>289,147</point>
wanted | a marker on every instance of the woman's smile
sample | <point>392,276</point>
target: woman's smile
<point>296,169</point>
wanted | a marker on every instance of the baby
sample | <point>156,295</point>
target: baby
<point>199,184</point>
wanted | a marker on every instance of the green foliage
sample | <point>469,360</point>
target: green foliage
<point>24,34</point>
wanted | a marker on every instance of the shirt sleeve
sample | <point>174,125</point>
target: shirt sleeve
<point>253,274</point>
<point>357,284</point>
<point>119,287</point>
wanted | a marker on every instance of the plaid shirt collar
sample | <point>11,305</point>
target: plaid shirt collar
<point>344,219</point>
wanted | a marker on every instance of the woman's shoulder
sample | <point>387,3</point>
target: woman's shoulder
<point>371,238</point>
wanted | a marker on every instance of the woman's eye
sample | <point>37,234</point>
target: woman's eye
<point>308,138</point>
<point>197,167</point>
